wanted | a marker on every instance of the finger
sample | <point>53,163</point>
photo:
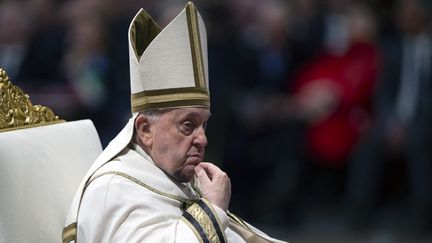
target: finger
<point>211,169</point>
<point>201,174</point>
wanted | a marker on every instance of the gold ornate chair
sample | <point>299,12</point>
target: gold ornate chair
<point>42,161</point>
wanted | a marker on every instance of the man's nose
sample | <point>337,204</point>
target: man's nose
<point>200,137</point>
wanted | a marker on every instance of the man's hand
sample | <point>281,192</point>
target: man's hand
<point>215,184</point>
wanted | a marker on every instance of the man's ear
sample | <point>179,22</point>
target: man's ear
<point>143,131</point>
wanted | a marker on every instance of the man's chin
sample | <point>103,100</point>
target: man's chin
<point>184,176</point>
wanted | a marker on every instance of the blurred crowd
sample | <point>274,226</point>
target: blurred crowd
<point>315,103</point>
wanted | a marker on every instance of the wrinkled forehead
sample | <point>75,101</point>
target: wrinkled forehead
<point>197,112</point>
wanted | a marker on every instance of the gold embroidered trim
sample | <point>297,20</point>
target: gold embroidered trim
<point>176,97</point>
<point>17,111</point>
<point>193,229</point>
<point>158,92</point>
<point>169,98</point>
<point>171,104</point>
<point>238,220</point>
<point>246,233</point>
<point>214,213</point>
<point>195,42</point>
<point>204,220</point>
<point>69,233</point>
<point>197,191</point>
<point>131,178</point>
<point>240,227</point>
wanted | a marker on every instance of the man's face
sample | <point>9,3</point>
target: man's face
<point>179,140</point>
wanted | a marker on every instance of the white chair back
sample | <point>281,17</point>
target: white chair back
<point>41,167</point>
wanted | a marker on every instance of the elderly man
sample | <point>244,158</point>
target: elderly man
<point>150,184</point>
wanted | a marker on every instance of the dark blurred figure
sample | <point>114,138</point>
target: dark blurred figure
<point>14,37</point>
<point>41,67</point>
<point>85,63</point>
<point>263,62</point>
<point>308,31</point>
<point>402,129</point>
<point>117,15</point>
<point>222,62</point>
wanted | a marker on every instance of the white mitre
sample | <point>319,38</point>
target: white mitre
<point>172,70</point>
<point>168,69</point>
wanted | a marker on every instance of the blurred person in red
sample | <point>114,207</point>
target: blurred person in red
<point>328,102</point>
<point>402,129</point>
<point>333,92</point>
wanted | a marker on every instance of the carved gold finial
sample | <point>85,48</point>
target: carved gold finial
<point>16,109</point>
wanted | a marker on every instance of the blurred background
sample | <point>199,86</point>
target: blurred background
<point>321,109</point>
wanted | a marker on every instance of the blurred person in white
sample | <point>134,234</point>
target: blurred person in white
<point>331,94</point>
<point>402,128</point>
<point>151,184</point>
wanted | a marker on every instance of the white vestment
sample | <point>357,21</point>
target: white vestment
<point>125,197</point>
<point>131,200</point>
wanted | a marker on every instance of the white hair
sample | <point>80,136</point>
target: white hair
<point>154,114</point>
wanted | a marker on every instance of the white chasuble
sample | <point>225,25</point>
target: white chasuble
<point>131,200</point>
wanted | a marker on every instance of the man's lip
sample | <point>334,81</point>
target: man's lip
<point>195,155</point>
<point>196,159</point>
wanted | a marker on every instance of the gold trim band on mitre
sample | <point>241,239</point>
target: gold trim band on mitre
<point>170,98</point>
<point>172,104</point>
<point>157,92</point>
